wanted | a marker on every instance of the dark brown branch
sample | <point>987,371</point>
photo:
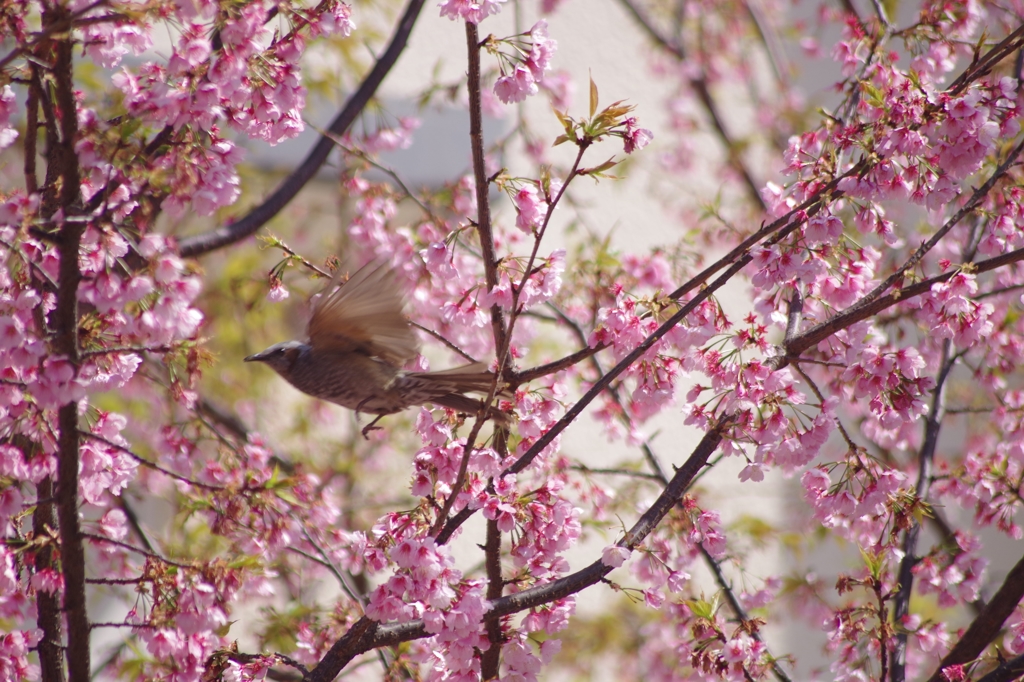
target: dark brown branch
<point>226,235</point>
<point>526,376</point>
<point>983,65</point>
<point>61,193</point>
<point>626,362</point>
<point>491,658</point>
<point>115,581</point>
<point>48,616</point>
<point>357,640</point>
<point>773,231</point>
<point>659,475</point>
<point>1013,669</point>
<point>776,230</point>
<point>976,198</point>
<point>483,203</point>
<point>600,385</point>
<point>31,131</point>
<point>986,626</point>
<point>901,602</point>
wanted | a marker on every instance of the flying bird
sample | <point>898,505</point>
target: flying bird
<point>358,341</point>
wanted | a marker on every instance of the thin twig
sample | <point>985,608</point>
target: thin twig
<point>133,548</point>
<point>617,472</point>
<point>699,84</point>
<point>437,335</point>
<point>151,465</point>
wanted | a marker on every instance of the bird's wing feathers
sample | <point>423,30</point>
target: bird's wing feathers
<point>364,314</point>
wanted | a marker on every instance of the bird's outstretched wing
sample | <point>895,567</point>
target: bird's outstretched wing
<point>364,314</point>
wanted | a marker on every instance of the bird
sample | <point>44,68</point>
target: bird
<point>358,339</point>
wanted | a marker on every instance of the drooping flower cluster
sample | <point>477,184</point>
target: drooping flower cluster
<point>524,69</point>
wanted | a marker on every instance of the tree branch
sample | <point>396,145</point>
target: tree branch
<point>490,659</point>
<point>48,616</point>
<point>699,84</point>
<point>863,310</point>
<point>976,198</point>
<point>905,576</point>
<point>1013,669</point>
<point>483,204</point>
<point>61,194</point>
<point>986,626</point>
<point>226,235</point>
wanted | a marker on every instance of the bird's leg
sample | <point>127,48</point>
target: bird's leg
<point>370,427</point>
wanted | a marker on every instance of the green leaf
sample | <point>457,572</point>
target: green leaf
<point>872,94</point>
<point>703,608</point>
<point>599,171</point>
<point>129,127</point>
<point>874,562</point>
<point>593,96</point>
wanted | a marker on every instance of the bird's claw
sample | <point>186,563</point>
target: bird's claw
<point>372,426</point>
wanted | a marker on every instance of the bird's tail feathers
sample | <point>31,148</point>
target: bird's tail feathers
<point>474,377</point>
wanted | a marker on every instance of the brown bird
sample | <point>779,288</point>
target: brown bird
<point>359,338</point>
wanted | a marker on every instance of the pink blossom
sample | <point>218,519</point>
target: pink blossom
<point>7,132</point>
<point>337,21</point>
<point>531,208</point>
<point>473,11</point>
<point>517,86</point>
<point>48,580</point>
<point>614,556</point>
<point>635,138</point>
<point>543,49</point>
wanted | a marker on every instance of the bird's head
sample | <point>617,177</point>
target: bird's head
<point>280,357</point>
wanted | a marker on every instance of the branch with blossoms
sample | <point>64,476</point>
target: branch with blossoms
<point>741,262</point>
<point>256,218</point>
<point>367,634</point>
<point>881,287</point>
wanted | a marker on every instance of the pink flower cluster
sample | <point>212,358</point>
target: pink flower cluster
<point>235,74</point>
<point>524,70</point>
<point>473,11</point>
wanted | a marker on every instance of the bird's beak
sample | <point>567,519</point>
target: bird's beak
<point>253,358</point>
